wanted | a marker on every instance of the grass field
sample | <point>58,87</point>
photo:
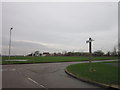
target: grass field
<point>50,59</point>
<point>105,73</point>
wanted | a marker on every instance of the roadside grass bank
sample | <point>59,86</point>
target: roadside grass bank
<point>106,73</point>
<point>46,59</point>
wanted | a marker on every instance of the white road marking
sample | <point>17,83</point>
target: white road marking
<point>12,69</point>
<point>7,69</point>
<point>35,82</point>
<point>3,70</point>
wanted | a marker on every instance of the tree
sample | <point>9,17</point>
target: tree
<point>114,53</point>
<point>118,49</point>
<point>108,53</point>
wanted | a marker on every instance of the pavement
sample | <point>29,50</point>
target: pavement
<point>42,75</point>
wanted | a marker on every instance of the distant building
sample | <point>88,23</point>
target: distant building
<point>45,54</point>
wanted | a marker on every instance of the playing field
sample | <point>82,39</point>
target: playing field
<point>28,59</point>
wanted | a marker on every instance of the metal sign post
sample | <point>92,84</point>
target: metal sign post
<point>90,53</point>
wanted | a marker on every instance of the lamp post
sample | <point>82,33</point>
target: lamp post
<point>10,42</point>
<point>90,53</point>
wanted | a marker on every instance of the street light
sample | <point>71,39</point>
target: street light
<point>90,53</point>
<point>10,42</point>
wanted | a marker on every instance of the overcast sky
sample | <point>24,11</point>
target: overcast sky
<point>59,26</point>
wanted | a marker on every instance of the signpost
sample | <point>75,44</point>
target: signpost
<point>90,53</point>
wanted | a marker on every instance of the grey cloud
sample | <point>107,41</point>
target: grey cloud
<point>61,24</point>
<point>22,47</point>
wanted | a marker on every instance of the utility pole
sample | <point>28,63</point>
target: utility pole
<point>10,42</point>
<point>90,53</point>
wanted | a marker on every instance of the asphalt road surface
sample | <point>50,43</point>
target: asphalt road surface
<point>42,75</point>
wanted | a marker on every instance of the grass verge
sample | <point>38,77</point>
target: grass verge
<point>105,73</point>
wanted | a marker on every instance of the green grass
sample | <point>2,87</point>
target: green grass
<point>51,59</point>
<point>105,73</point>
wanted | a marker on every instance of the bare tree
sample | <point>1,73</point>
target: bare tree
<point>118,49</point>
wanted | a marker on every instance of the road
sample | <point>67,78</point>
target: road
<point>42,75</point>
